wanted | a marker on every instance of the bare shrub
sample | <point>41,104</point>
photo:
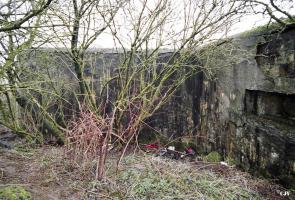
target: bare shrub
<point>87,139</point>
<point>88,135</point>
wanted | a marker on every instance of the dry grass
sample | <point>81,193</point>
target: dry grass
<point>147,177</point>
<point>48,175</point>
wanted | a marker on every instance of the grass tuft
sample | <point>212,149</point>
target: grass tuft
<point>147,177</point>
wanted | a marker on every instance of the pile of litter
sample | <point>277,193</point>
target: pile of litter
<point>170,151</point>
<point>189,154</point>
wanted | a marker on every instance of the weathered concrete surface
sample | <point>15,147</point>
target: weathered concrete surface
<point>180,116</point>
<point>248,113</point>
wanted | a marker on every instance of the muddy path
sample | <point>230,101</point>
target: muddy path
<point>31,171</point>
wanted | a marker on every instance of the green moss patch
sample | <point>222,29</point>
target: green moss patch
<point>14,193</point>
<point>213,157</point>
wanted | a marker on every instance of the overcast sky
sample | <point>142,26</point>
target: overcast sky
<point>246,23</point>
<point>106,40</point>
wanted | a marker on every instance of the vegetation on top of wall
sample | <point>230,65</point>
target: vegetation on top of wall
<point>267,28</point>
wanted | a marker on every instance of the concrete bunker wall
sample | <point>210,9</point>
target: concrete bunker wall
<point>247,114</point>
<point>249,111</point>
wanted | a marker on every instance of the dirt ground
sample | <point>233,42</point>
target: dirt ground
<point>30,170</point>
<point>47,175</point>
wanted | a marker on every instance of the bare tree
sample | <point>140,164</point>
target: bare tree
<point>82,22</point>
<point>278,11</point>
<point>142,29</point>
<point>20,25</point>
<point>143,83</point>
<point>12,19</point>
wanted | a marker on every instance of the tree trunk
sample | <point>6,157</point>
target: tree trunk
<point>48,126</point>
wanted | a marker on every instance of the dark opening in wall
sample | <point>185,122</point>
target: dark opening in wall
<point>270,104</point>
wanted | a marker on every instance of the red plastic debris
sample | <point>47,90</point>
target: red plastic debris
<point>151,146</point>
<point>190,151</point>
